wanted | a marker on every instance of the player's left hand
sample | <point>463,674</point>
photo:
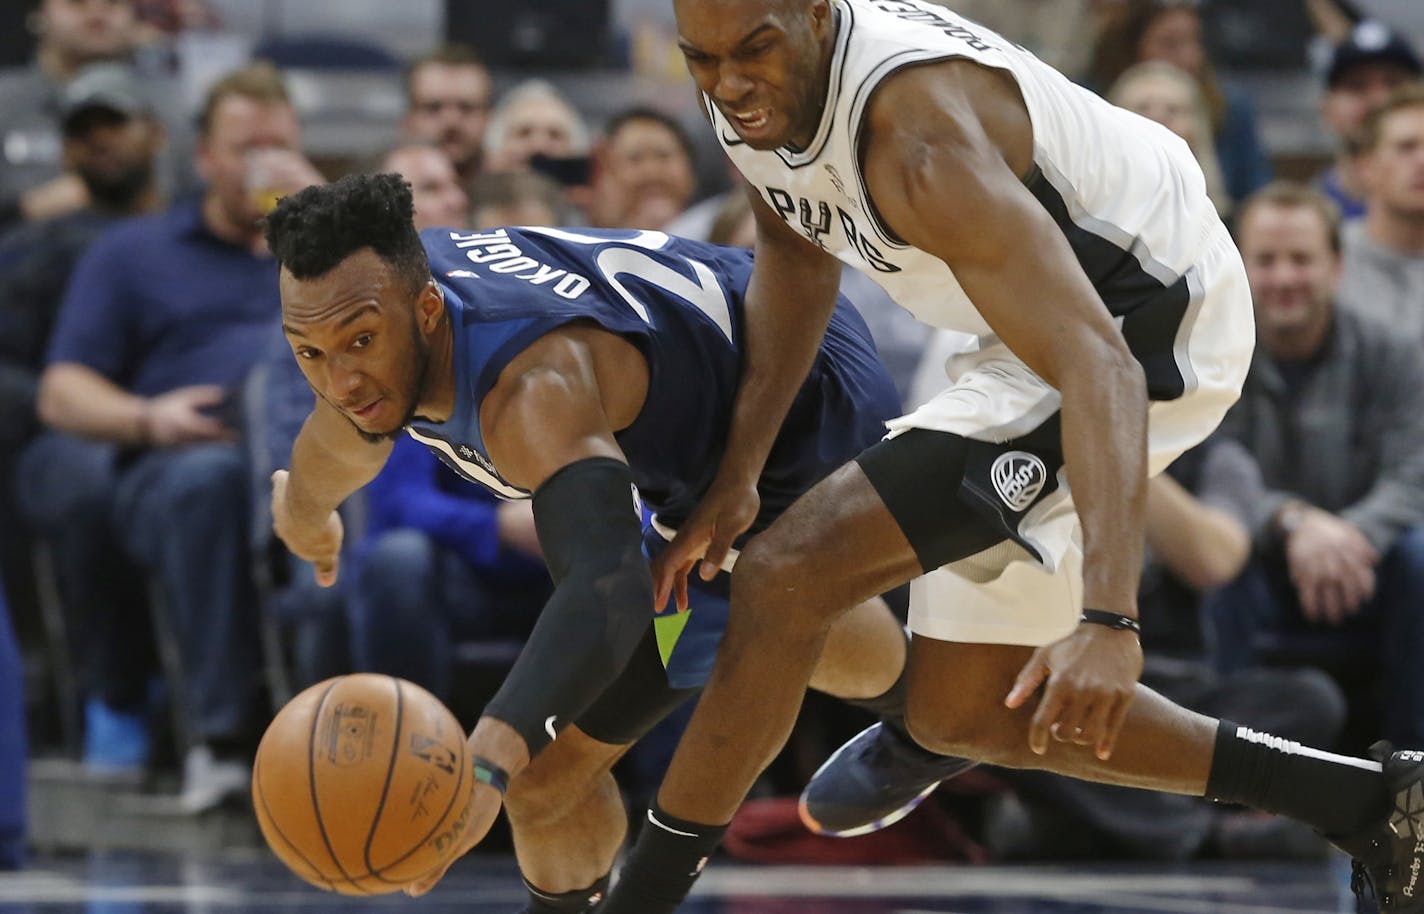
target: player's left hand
<point>484,806</point>
<point>725,512</point>
<point>1091,678</point>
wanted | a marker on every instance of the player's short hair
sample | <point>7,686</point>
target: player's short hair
<point>1405,98</point>
<point>449,55</point>
<point>1294,195</point>
<point>259,81</point>
<point>653,116</point>
<point>314,230</point>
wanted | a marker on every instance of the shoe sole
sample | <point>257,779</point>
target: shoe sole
<point>883,822</point>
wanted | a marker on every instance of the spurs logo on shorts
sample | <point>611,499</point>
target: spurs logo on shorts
<point>1018,478</point>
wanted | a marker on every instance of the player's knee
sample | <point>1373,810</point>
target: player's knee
<point>772,578</point>
<point>963,732</point>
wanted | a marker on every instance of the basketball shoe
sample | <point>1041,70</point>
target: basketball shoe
<point>872,782</point>
<point>1389,857</point>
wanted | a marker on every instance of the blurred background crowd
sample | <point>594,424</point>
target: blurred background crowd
<point>146,392</point>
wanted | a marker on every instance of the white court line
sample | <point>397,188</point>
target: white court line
<point>914,882</point>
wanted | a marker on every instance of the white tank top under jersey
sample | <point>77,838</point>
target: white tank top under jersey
<point>1123,177</point>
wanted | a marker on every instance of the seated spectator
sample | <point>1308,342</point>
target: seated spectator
<point>1333,411</point>
<point>1171,97</point>
<point>1134,31</point>
<point>13,756</point>
<point>439,198</point>
<point>645,175</point>
<point>1363,70</point>
<point>160,324</point>
<point>1196,541</point>
<point>516,198</point>
<point>71,35</point>
<point>448,98</point>
<point>533,119</point>
<point>1384,250</point>
<point>111,140</point>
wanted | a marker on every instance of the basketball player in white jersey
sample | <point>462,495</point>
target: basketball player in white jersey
<point>987,194</point>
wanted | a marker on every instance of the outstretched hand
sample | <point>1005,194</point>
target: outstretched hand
<point>1091,680</point>
<point>318,543</point>
<point>480,814</point>
<point>725,513</point>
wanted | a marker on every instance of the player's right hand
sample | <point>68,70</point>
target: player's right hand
<point>317,542</point>
<point>725,513</point>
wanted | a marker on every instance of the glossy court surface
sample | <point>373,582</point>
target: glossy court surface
<point>250,881</point>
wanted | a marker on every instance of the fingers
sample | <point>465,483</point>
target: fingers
<point>1116,717</point>
<point>421,886</point>
<point>326,572</point>
<point>1049,711</point>
<point>717,550</point>
<point>680,583</point>
<point>1029,679</point>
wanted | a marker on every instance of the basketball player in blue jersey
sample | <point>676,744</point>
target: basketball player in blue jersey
<point>990,195</point>
<point>584,370</point>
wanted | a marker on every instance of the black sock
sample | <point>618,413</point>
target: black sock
<point>579,901</point>
<point>662,866</point>
<point>889,707</point>
<point>1335,795</point>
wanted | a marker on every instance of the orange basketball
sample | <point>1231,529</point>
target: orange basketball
<point>362,784</point>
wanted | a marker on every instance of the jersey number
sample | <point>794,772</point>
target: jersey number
<point>704,292</point>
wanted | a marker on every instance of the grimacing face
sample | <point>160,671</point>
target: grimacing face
<point>762,62</point>
<point>361,339</point>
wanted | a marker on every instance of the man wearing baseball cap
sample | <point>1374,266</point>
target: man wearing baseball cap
<point>1360,73</point>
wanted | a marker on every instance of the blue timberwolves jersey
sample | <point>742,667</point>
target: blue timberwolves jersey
<point>680,303</point>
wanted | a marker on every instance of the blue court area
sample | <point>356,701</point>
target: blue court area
<point>250,881</point>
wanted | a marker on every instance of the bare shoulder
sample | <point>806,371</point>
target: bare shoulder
<point>952,105</point>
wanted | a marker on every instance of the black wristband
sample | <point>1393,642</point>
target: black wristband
<point>487,772</point>
<point>1111,620</point>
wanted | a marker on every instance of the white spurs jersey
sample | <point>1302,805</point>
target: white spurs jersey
<point>1126,192</point>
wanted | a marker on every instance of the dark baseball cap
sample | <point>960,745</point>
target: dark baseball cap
<point>1371,41</point>
<point>103,87</point>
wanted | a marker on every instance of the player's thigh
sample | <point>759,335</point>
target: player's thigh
<point>955,694</point>
<point>836,546</point>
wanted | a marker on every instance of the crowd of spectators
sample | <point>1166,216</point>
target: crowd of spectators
<point>146,391</point>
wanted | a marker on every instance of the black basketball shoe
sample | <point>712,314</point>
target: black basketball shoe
<point>1389,858</point>
<point>872,782</point>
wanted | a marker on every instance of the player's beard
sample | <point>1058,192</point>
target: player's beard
<point>415,390</point>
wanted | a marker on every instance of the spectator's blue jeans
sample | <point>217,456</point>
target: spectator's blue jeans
<point>413,600</point>
<point>1262,600</point>
<point>12,746</point>
<point>65,490</point>
<point>183,514</point>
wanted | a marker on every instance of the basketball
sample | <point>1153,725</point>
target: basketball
<point>361,784</point>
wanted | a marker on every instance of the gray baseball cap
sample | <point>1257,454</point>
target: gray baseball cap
<point>106,87</point>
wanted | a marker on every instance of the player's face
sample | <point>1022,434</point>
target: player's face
<point>1394,169</point>
<point>450,106</point>
<point>358,337</point>
<point>1360,90</point>
<point>1293,268</point>
<point>764,64</point>
<point>439,198</point>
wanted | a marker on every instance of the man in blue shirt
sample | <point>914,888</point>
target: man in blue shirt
<point>160,324</point>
